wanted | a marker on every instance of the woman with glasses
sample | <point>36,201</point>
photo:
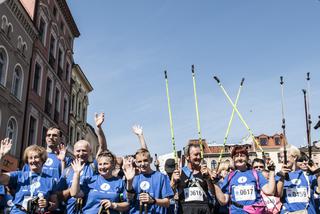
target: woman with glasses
<point>106,192</point>
<point>34,189</point>
<point>241,188</point>
<point>297,191</point>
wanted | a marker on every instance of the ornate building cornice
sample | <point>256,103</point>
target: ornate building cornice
<point>68,17</point>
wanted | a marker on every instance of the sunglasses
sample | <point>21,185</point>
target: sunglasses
<point>258,167</point>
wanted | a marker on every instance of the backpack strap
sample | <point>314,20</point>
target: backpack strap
<point>230,175</point>
<point>255,175</point>
<point>187,172</point>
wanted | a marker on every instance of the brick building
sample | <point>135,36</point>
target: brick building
<point>17,35</point>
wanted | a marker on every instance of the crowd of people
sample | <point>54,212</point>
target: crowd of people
<point>52,181</point>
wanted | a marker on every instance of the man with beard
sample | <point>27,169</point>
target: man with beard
<point>57,160</point>
<point>193,183</point>
<point>150,190</point>
<point>242,187</point>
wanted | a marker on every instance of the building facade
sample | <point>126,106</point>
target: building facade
<point>81,87</point>
<point>49,88</point>
<point>17,35</point>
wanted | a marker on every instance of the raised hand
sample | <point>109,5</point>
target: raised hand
<point>176,175</point>
<point>99,119</point>
<point>137,129</point>
<point>77,166</point>
<point>62,152</point>
<point>5,147</point>
<point>128,168</point>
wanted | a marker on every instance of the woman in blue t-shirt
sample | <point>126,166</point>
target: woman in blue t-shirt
<point>34,190</point>
<point>241,188</point>
<point>105,191</point>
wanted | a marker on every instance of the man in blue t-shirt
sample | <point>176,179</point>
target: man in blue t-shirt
<point>150,190</point>
<point>241,188</point>
<point>297,192</point>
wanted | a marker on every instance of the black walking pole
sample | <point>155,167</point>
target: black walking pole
<point>284,141</point>
<point>307,122</point>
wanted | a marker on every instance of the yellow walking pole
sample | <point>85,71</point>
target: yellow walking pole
<point>239,114</point>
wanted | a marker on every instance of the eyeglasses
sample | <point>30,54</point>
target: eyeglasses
<point>52,135</point>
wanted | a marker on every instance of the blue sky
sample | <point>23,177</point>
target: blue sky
<point>125,46</point>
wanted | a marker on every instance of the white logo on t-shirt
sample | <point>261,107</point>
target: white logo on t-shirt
<point>10,203</point>
<point>296,181</point>
<point>242,179</point>
<point>144,185</point>
<point>49,162</point>
<point>105,186</point>
<point>35,185</point>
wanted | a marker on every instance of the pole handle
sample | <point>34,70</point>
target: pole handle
<point>217,79</point>
<point>281,80</point>
<point>165,74</point>
<point>192,69</point>
<point>241,84</point>
<point>304,91</point>
<point>308,76</point>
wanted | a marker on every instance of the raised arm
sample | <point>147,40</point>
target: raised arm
<point>5,147</point>
<point>99,119</point>
<point>270,187</point>
<point>137,129</point>
<point>77,168</point>
<point>280,182</point>
<point>62,156</point>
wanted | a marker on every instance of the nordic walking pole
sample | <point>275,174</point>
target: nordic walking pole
<point>308,105</point>
<point>170,119</point>
<point>229,125</point>
<point>197,110</point>
<point>283,123</point>
<point>239,114</point>
<point>307,122</point>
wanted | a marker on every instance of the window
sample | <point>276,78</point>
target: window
<point>42,30</point>
<point>65,110</point>
<point>73,99</point>
<point>4,22</point>
<point>17,82</point>
<point>43,136</point>
<point>57,106</point>
<point>12,132</point>
<point>23,49</point>
<point>84,114</point>
<point>9,29</point>
<point>54,11</point>
<point>48,104</point>
<point>67,71</point>
<point>79,109</point>
<point>36,78</point>
<point>213,164</point>
<point>52,51</point>
<point>3,66</point>
<point>277,140</point>
<point>32,131</point>
<point>62,26</point>
<point>60,58</point>
<point>78,136</point>
<point>263,141</point>
<point>71,135</point>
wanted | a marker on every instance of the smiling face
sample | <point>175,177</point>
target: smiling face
<point>82,151</point>
<point>35,161</point>
<point>194,155</point>
<point>143,161</point>
<point>240,160</point>
<point>53,138</point>
<point>105,166</point>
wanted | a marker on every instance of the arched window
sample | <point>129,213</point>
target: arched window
<point>19,44</point>
<point>4,23</point>
<point>213,164</point>
<point>9,29</point>
<point>12,132</point>
<point>17,82</point>
<point>3,65</point>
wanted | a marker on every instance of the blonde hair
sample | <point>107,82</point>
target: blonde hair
<point>224,165</point>
<point>35,148</point>
<point>293,151</point>
<point>143,151</point>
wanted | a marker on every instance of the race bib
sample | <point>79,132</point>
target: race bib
<point>193,194</point>
<point>297,195</point>
<point>244,193</point>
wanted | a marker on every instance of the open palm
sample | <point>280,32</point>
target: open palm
<point>99,119</point>
<point>5,146</point>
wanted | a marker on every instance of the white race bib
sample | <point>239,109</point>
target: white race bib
<point>244,193</point>
<point>193,194</point>
<point>297,195</point>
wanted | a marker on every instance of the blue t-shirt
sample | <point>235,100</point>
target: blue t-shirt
<point>22,182</point>
<point>66,181</point>
<point>157,185</point>
<point>296,192</point>
<point>100,188</point>
<point>243,189</point>
<point>52,166</point>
